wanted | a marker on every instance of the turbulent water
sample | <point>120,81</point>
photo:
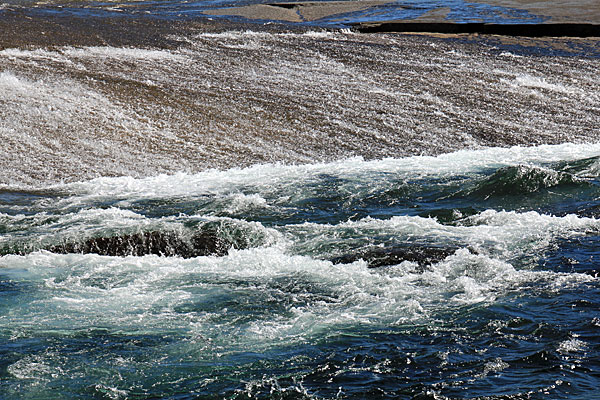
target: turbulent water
<point>204,211</point>
<point>294,308</point>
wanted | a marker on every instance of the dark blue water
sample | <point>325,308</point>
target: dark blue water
<point>469,275</point>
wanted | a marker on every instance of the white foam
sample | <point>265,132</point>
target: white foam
<point>592,171</point>
<point>324,34</point>
<point>232,35</point>
<point>509,54</point>
<point>43,230</point>
<point>411,114</point>
<point>71,115</point>
<point>572,345</point>
<point>530,81</point>
<point>123,53</point>
<point>15,53</point>
<point>67,53</point>
<point>499,234</point>
<point>240,202</point>
<point>33,367</point>
<point>303,296</point>
<point>237,35</point>
<point>494,366</point>
<point>8,79</point>
<point>266,177</point>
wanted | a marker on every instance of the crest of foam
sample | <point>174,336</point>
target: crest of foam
<point>8,79</point>
<point>267,176</point>
<point>256,34</point>
<point>572,345</point>
<point>144,293</point>
<point>500,234</point>
<point>121,52</point>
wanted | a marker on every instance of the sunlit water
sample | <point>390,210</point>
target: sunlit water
<point>307,214</point>
<point>237,98</point>
<point>511,310</point>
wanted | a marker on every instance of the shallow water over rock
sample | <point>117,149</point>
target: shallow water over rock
<point>236,98</point>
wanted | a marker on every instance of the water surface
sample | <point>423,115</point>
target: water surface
<point>510,309</point>
<point>294,213</point>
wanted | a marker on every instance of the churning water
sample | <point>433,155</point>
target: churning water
<point>237,98</point>
<point>287,215</point>
<point>461,275</point>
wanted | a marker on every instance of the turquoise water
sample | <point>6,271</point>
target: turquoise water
<point>468,275</point>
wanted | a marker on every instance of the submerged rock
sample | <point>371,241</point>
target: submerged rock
<point>167,244</point>
<point>381,257</point>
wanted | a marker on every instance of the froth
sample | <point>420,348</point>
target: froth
<point>301,296</point>
<point>530,81</point>
<point>518,238</point>
<point>267,176</point>
<point>7,80</point>
<point>159,110</point>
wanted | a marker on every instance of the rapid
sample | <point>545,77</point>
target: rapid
<point>300,214</point>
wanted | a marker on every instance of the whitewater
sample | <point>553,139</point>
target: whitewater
<point>330,273</point>
<point>237,98</point>
<point>299,214</point>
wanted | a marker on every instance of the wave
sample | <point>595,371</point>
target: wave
<point>82,112</point>
<point>167,244</point>
<point>519,238</point>
<point>521,179</point>
<point>255,297</point>
<point>308,267</point>
<point>354,178</point>
<point>387,256</point>
<point>583,168</point>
